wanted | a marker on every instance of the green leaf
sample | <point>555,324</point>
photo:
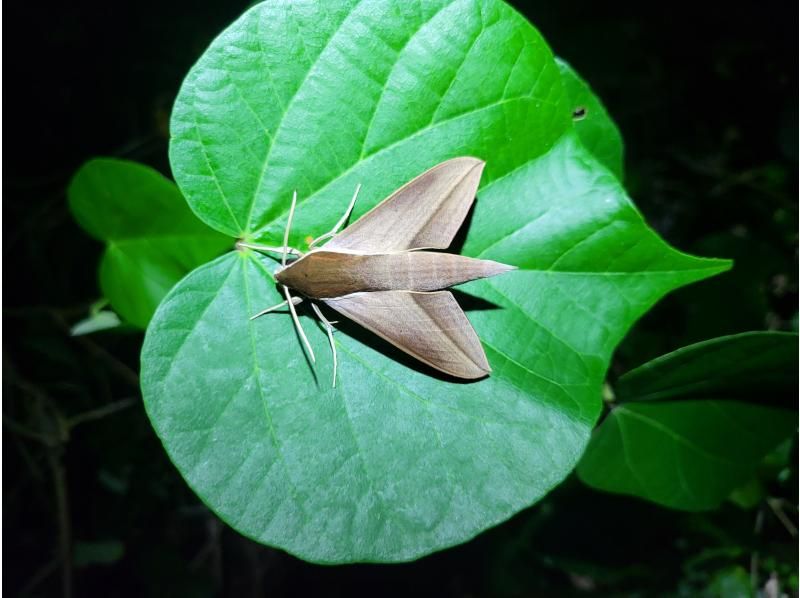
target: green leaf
<point>152,238</point>
<point>749,494</point>
<point>755,366</point>
<point>686,455</point>
<point>101,320</point>
<point>396,462</point>
<point>319,98</point>
<point>676,441</point>
<point>596,129</point>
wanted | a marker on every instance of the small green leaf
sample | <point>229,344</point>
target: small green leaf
<point>101,320</point>
<point>152,238</point>
<point>596,129</point>
<point>749,494</point>
<point>674,441</point>
<point>395,462</point>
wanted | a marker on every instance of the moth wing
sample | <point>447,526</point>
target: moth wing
<point>428,326</point>
<point>425,213</point>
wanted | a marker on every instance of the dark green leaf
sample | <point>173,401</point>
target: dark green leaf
<point>756,366</point>
<point>749,494</point>
<point>686,454</point>
<point>395,462</point>
<point>152,238</point>
<point>595,127</point>
<point>674,442</point>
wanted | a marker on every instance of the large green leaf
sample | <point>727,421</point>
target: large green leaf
<point>596,129</point>
<point>152,238</point>
<point>397,461</point>
<point>680,439</point>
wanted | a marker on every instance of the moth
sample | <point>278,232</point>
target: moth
<point>378,273</point>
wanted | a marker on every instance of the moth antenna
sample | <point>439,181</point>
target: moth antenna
<point>270,248</point>
<point>295,301</point>
<point>329,330</point>
<point>288,227</point>
<point>341,222</point>
<point>297,322</point>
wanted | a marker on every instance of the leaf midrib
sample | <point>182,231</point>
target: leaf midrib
<point>672,434</point>
<point>285,111</point>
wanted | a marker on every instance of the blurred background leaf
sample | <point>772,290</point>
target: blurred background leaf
<point>152,237</point>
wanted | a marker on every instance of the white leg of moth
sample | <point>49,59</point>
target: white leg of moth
<point>297,323</point>
<point>257,247</point>
<point>341,222</point>
<point>295,301</point>
<point>329,330</point>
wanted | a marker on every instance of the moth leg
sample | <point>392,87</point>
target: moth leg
<point>270,248</point>
<point>329,330</point>
<point>290,302</point>
<point>341,222</point>
<point>295,300</point>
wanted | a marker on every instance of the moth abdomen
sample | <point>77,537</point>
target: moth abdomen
<point>326,274</point>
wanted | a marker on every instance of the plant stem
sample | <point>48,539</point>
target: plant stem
<point>64,526</point>
<point>101,412</point>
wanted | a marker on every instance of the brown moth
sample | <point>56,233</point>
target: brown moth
<point>377,273</point>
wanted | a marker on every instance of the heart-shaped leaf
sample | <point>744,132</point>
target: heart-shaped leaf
<point>397,461</point>
<point>152,237</point>
<point>678,438</point>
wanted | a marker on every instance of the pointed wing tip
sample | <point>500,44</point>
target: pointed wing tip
<point>477,163</point>
<point>469,166</point>
<point>472,160</point>
<point>496,268</point>
<point>479,372</point>
<point>502,267</point>
<point>478,367</point>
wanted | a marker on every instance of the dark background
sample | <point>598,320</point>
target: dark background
<point>706,98</point>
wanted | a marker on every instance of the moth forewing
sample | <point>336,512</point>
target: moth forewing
<point>426,212</point>
<point>428,326</point>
